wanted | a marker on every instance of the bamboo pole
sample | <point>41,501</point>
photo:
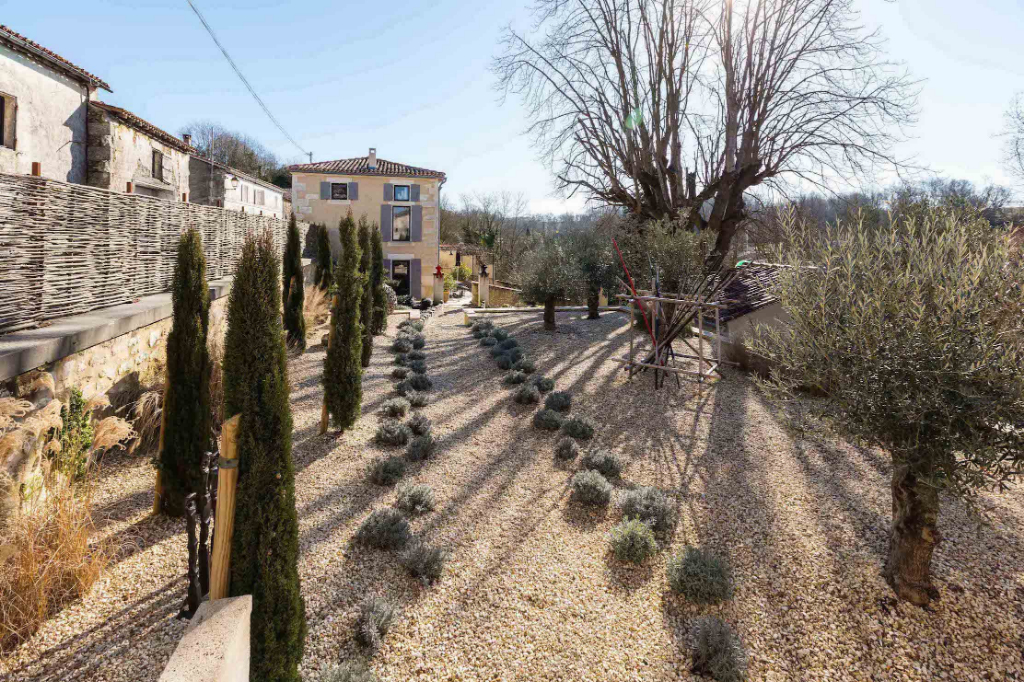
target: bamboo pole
<point>227,480</point>
<point>324,416</point>
<point>158,487</point>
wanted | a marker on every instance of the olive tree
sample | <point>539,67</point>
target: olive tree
<point>912,336</point>
<point>552,275</point>
<point>591,249</point>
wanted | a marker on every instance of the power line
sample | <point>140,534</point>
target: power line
<point>246,82</point>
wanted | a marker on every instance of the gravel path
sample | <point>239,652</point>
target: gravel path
<point>530,591</point>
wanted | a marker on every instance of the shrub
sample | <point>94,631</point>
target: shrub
<point>515,355</point>
<point>343,368</point>
<point>416,355</point>
<point>351,671</point>
<point>419,341</point>
<point>526,395</point>
<point>525,366</point>
<point>396,407</point>
<point>479,334</point>
<point>420,382</point>
<point>543,384</point>
<point>384,529</point>
<point>420,448</point>
<point>417,398</point>
<point>366,304</point>
<point>559,401</point>
<point>419,424</point>
<point>399,372</point>
<point>418,366</point>
<point>700,576</point>
<point>375,618</point>
<point>387,470</point>
<point>498,351</point>
<point>401,345</point>
<point>717,651</point>
<point>424,561</point>
<point>256,389</point>
<point>415,500</point>
<point>604,461</point>
<point>415,326</point>
<point>590,487</point>
<point>651,506</point>
<point>402,359</point>
<point>504,362</point>
<point>509,344</point>
<point>580,428</point>
<point>316,308</point>
<point>567,449</point>
<point>426,304</point>
<point>516,378</point>
<point>499,334</point>
<point>379,322</point>
<point>633,541</point>
<point>403,388</point>
<point>186,400</point>
<point>488,341</point>
<point>547,420</point>
<point>292,289</point>
<point>393,433</point>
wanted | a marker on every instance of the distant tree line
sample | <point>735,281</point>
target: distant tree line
<point>239,151</point>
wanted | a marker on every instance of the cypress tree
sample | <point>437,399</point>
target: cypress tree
<point>343,371</point>
<point>293,289</point>
<point>265,546</point>
<point>379,321</point>
<point>324,262</point>
<point>186,403</point>
<point>366,305</point>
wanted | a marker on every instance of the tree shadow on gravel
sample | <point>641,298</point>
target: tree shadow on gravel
<point>626,578</point>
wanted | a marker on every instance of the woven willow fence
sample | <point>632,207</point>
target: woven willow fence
<point>69,249</point>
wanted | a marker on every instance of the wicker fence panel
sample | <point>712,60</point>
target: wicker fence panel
<point>69,249</point>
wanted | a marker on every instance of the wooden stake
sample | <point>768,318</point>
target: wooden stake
<point>158,487</point>
<point>227,480</point>
<point>324,417</point>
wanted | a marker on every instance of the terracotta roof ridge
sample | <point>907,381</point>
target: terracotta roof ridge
<point>145,126</point>
<point>35,48</point>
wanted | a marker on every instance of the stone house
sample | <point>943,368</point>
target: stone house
<point>402,200</point>
<point>212,183</point>
<point>129,154</point>
<point>44,102</point>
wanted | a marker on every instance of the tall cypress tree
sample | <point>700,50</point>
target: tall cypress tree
<point>379,321</point>
<point>343,371</point>
<point>265,546</point>
<point>324,261</point>
<point>186,405</point>
<point>293,288</point>
<point>366,305</point>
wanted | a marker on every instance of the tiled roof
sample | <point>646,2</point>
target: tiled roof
<point>23,44</point>
<point>131,120</point>
<point>246,176</point>
<point>751,290</point>
<point>358,166</point>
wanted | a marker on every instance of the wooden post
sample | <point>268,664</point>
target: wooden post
<point>718,337</point>
<point>632,321</point>
<point>324,417</point>
<point>37,169</point>
<point>158,488</point>
<point>129,188</point>
<point>227,479</point>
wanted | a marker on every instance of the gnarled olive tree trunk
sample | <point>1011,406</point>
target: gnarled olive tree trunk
<point>593,302</point>
<point>914,536</point>
<point>549,313</point>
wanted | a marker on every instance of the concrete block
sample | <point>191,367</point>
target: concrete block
<point>215,647</point>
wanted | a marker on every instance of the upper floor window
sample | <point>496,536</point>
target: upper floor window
<point>259,197</point>
<point>158,165</point>
<point>339,191</point>
<point>401,192</point>
<point>8,107</point>
<point>245,194</point>
<point>400,231</point>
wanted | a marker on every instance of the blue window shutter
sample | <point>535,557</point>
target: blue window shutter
<point>385,222</point>
<point>415,279</point>
<point>389,192</point>
<point>353,191</point>
<point>414,193</point>
<point>416,224</point>
<point>325,190</point>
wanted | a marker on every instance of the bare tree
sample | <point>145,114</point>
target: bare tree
<point>233,149</point>
<point>1014,134</point>
<point>664,106</point>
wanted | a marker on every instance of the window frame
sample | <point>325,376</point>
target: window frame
<point>8,121</point>
<point>339,184</point>
<point>408,192</point>
<point>394,223</point>
<point>158,156</point>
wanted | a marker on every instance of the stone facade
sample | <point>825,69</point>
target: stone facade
<point>210,185</point>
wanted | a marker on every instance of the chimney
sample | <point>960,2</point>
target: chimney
<point>371,160</point>
<point>187,139</point>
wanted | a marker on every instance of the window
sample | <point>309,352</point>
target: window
<point>339,191</point>
<point>245,194</point>
<point>400,274</point>
<point>259,197</point>
<point>8,107</point>
<point>401,192</point>
<point>158,165</point>
<point>400,231</point>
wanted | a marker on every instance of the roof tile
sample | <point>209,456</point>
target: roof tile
<point>358,166</point>
<point>22,42</point>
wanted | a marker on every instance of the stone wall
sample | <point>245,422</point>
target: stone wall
<point>499,297</point>
<point>119,154</point>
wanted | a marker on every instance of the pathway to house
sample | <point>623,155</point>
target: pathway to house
<point>530,591</point>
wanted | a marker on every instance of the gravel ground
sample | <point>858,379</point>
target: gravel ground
<point>531,591</point>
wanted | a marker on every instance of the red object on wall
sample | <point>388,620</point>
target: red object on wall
<point>438,272</point>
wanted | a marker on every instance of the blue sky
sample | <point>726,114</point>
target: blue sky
<point>413,79</point>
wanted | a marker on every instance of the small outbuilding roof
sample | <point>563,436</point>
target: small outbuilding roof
<point>24,45</point>
<point>143,126</point>
<point>752,289</point>
<point>360,166</point>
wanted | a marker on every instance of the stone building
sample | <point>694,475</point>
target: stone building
<point>128,154</point>
<point>402,200</point>
<point>215,184</point>
<point>44,102</point>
